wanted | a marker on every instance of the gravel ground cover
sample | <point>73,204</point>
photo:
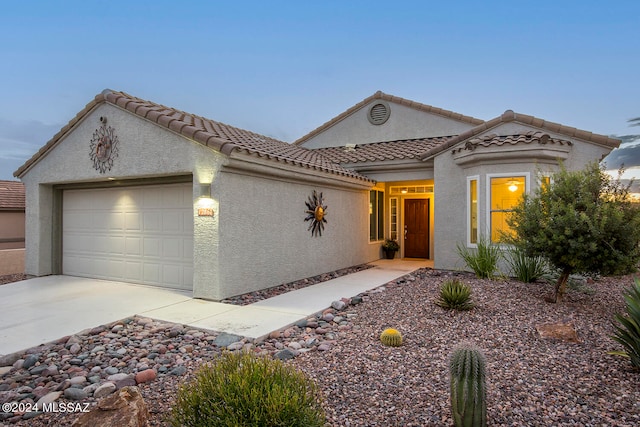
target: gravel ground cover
<point>531,381</point>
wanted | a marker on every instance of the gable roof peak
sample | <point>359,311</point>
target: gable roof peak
<point>389,98</point>
<point>543,125</point>
<point>216,135</point>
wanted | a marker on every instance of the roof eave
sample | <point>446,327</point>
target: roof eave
<point>511,116</point>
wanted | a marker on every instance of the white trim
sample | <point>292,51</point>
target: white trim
<point>527,189</point>
<point>468,209</point>
<point>397,214</point>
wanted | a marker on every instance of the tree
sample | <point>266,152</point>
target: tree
<point>584,222</point>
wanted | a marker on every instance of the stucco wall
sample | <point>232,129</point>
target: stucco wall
<point>12,225</point>
<point>264,240</point>
<point>145,150</point>
<point>403,123</point>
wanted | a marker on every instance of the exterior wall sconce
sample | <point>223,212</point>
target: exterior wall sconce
<point>205,190</point>
<point>205,202</point>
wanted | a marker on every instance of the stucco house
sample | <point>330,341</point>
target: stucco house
<point>134,191</point>
<point>12,210</point>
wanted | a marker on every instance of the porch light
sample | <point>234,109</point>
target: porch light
<point>205,203</point>
<point>205,190</point>
<point>404,191</point>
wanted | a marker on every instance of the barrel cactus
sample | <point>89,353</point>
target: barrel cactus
<point>468,387</point>
<point>391,337</point>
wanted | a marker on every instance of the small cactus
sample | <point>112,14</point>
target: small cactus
<point>391,337</point>
<point>468,387</point>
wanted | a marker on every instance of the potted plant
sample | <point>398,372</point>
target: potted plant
<point>390,247</point>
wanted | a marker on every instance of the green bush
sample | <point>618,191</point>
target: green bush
<point>525,268</point>
<point>483,260</point>
<point>628,330</point>
<point>456,295</point>
<point>241,389</point>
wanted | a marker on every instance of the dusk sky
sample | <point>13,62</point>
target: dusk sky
<point>284,68</point>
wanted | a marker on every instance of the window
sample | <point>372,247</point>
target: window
<point>393,218</point>
<point>376,215</point>
<point>504,194</point>
<point>472,210</point>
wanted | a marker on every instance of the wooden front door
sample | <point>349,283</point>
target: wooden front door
<point>416,228</point>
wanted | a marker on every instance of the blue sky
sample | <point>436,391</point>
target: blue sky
<point>284,68</point>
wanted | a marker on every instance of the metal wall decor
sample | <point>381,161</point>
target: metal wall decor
<point>316,213</point>
<point>103,147</point>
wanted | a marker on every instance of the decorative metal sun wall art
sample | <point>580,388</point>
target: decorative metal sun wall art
<point>316,213</point>
<point>103,148</point>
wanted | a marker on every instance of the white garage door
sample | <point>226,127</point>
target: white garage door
<point>133,234</point>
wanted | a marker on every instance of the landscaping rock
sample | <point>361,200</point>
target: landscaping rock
<point>126,408</point>
<point>104,390</point>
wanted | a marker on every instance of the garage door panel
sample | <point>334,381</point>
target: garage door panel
<point>132,221</point>
<point>133,246</point>
<point>137,234</point>
<point>108,220</point>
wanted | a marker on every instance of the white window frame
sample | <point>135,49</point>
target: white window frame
<point>378,229</point>
<point>489,176</point>
<point>468,209</point>
<point>395,216</point>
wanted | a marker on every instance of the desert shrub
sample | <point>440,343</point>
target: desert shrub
<point>391,337</point>
<point>525,268</point>
<point>628,327</point>
<point>483,260</point>
<point>455,295</point>
<point>583,223</point>
<point>241,389</point>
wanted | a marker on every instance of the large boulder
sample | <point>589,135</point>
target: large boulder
<point>126,408</point>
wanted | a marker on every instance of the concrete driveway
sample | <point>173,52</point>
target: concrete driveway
<point>44,309</point>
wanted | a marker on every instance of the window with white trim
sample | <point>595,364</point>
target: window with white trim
<point>472,210</point>
<point>504,193</point>
<point>393,218</point>
<point>376,215</point>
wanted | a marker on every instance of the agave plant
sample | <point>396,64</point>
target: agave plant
<point>628,327</point>
<point>456,295</point>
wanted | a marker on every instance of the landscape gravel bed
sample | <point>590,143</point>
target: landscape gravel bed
<point>531,381</point>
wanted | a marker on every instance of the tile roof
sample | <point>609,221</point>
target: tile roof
<point>500,140</point>
<point>11,195</point>
<point>510,116</point>
<point>381,151</point>
<point>219,136</point>
<point>389,98</point>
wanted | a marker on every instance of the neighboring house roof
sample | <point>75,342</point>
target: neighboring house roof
<point>219,136</point>
<point>381,151</point>
<point>510,116</point>
<point>389,98</point>
<point>11,195</point>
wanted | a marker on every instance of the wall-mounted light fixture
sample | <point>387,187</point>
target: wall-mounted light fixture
<point>205,202</point>
<point>205,190</point>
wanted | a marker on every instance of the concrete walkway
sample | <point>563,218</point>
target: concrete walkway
<point>43,309</point>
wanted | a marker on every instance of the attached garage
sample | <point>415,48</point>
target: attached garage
<point>141,234</point>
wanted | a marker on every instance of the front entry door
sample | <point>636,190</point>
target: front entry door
<point>416,228</point>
